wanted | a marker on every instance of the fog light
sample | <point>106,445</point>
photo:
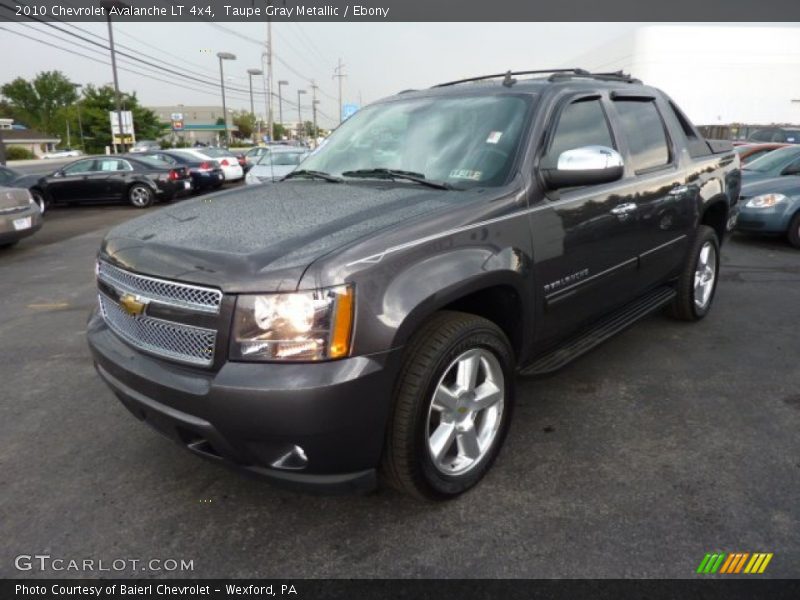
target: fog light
<point>293,460</point>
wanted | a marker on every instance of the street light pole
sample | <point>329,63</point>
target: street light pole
<point>224,56</point>
<point>281,83</point>
<point>107,5</point>
<point>300,128</point>
<point>250,73</point>
<point>79,88</point>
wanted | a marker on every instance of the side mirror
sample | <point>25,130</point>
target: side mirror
<point>588,165</point>
<point>58,173</point>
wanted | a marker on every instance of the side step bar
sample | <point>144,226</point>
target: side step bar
<point>598,333</point>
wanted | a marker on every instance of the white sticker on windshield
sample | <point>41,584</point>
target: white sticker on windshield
<point>790,139</point>
<point>494,137</point>
<point>465,174</point>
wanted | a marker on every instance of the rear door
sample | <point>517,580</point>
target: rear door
<point>662,191</point>
<point>110,178</point>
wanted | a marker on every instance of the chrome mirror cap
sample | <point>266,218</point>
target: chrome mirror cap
<point>589,158</point>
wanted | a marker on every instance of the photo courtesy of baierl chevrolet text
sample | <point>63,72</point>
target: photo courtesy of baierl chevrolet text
<point>399,299</point>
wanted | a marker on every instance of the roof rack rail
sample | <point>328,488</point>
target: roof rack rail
<point>611,76</point>
<point>555,75</point>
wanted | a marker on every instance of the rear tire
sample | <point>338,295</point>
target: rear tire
<point>794,231</point>
<point>452,406</point>
<point>697,283</point>
<point>140,196</point>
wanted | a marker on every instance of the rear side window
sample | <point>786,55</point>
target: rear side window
<point>582,123</point>
<point>643,128</point>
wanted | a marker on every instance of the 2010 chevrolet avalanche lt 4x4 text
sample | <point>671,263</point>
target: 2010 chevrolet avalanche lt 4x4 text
<point>369,313</point>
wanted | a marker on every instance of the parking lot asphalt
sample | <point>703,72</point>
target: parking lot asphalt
<point>669,441</point>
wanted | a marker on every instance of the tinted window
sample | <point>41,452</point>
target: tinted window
<point>644,130</point>
<point>775,160</point>
<point>762,135</point>
<point>6,175</point>
<point>581,124</point>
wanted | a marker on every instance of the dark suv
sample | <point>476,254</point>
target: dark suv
<point>371,312</point>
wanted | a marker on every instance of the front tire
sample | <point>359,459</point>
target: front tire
<point>452,406</point>
<point>140,196</point>
<point>697,283</point>
<point>794,231</point>
<point>40,200</point>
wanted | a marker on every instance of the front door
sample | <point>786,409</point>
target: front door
<point>69,183</point>
<point>583,238</point>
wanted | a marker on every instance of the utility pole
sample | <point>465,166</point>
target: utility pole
<point>79,88</point>
<point>314,101</point>
<point>107,5</point>
<point>268,99</point>
<point>339,72</point>
<point>300,127</point>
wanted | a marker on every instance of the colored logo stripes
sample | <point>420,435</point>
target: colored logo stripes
<point>734,562</point>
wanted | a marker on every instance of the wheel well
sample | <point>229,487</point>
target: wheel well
<point>499,304</point>
<point>716,217</point>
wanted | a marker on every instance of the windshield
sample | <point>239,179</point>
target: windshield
<point>279,159</point>
<point>775,160</point>
<point>462,141</point>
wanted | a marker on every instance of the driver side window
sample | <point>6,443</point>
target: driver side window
<point>582,123</point>
<point>82,166</point>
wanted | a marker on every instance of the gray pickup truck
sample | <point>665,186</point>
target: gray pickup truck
<point>368,315</point>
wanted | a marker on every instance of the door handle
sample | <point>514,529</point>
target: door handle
<point>679,190</point>
<point>623,209</point>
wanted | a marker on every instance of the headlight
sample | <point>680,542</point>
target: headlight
<point>765,201</point>
<point>302,326</point>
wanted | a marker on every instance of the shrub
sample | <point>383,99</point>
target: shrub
<point>18,153</point>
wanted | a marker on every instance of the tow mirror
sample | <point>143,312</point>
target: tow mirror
<point>588,165</point>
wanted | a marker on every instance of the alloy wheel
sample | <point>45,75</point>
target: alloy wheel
<point>705,275</point>
<point>465,412</point>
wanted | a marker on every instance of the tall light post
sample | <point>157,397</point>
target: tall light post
<point>107,5</point>
<point>224,56</point>
<point>300,127</point>
<point>250,73</point>
<point>281,83</point>
<point>79,89</point>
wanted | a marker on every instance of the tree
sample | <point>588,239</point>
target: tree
<point>280,131</point>
<point>246,123</point>
<point>37,103</point>
<point>95,105</point>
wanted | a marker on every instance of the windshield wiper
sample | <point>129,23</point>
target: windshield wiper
<point>314,175</point>
<point>381,173</point>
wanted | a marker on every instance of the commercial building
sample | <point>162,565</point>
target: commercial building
<point>31,140</point>
<point>719,75</point>
<point>200,123</point>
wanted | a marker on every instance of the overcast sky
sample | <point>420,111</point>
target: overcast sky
<point>380,58</point>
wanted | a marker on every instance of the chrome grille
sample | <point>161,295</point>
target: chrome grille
<point>173,340</point>
<point>161,290</point>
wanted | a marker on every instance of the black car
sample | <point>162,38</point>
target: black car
<point>369,313</point>
<point>139,181</point>
<point>205,174</point>
<point>783,135</point>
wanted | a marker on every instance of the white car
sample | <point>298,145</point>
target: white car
<point>276,162</point>
<point>231,168</point>
<point>65,153</point>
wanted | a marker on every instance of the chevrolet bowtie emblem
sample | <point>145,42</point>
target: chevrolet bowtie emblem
<point>132,304</point>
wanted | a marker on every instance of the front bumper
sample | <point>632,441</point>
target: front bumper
<point>252,415</point>
<point>774,219</point>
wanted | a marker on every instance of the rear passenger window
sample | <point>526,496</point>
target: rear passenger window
<point>643,128</point>
<point>582,123</point>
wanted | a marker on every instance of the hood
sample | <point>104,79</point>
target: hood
<point>26,181</point>
<point>784,184</point>
<point>262,238</point>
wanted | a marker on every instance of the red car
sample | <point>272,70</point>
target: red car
<point>749,152</point>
